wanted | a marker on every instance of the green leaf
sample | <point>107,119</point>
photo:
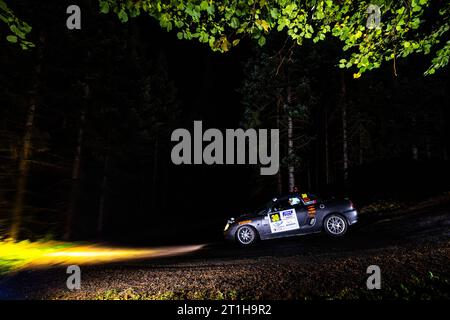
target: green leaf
<point>17,31</point>
<point>12,39</point>
<point>274,13</point>
<point>3,5</point>
<point>204,5</point>
<point>104,7</point>
<point>123,16</point>
<point>234,22</point>
<point>203,37</point>
<point>261,41</point>
<point>210,9</point>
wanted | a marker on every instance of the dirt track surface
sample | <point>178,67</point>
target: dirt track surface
<point>411,247</point>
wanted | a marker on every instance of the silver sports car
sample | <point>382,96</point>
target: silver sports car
<point>292,215</point>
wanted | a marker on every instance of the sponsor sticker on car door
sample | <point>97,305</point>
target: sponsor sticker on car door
<point>285,220</point>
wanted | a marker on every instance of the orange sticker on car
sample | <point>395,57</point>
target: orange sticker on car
<point>245,221</point>
<point>311,211</point>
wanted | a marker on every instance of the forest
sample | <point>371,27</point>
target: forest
<point>86,116</point>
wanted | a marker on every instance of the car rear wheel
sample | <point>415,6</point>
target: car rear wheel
<point>335,225</point>
<point>246,235</point>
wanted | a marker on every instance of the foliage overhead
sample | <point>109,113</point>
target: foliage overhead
<point>406,27</point>
<point>18,29</point>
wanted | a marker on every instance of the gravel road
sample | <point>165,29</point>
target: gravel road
<point>411,247</point>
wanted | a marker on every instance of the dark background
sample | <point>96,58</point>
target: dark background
<point>143,83</point>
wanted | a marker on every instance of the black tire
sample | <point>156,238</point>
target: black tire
<point>335,225</point>
<point>246,235</point>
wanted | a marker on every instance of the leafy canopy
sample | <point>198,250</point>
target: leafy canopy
<point>408,26</point>
<point>18,29</point>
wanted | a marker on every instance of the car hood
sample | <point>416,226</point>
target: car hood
<point>246,216</point>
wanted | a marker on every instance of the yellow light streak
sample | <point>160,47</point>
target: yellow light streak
<point>41,255</point>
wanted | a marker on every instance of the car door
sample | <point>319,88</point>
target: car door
<point>312,210</point>
<point>302,215</point>
<point>281,220</point>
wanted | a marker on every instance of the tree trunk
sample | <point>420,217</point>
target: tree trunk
<point>24,167</point>
<point>291,169</point>
<point>290,138</point>
<point>327,168</point>
<point>279,175</point>
<point>344,128</point>
<point>415,152</point>
<point>103,188</point>
<point>75,180</point>
<point>445,125</point>
<point>361,149</point>
<point>308,172</point>
<point>24,164</point>
<point>155,174</point>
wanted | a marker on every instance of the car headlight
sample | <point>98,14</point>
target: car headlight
<point>229,222</point>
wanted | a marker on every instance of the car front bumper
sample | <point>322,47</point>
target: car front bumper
<point>230,233</point>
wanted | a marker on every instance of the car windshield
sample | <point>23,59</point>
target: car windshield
<point>280,204</point>
<point>263,209</point>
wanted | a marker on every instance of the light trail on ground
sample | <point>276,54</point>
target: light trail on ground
<point>100,254</point>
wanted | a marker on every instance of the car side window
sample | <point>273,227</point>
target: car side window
<point>308,199</point>
<point>280,205</point>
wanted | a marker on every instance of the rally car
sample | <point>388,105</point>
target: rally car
<point>292,215</point>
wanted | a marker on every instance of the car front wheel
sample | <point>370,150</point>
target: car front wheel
<point>335,225</point>
<point>246,235</point>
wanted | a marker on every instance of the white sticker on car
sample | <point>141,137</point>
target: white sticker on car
<point>285,220</point>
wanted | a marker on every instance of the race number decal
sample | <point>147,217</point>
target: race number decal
<point>283,221</point>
